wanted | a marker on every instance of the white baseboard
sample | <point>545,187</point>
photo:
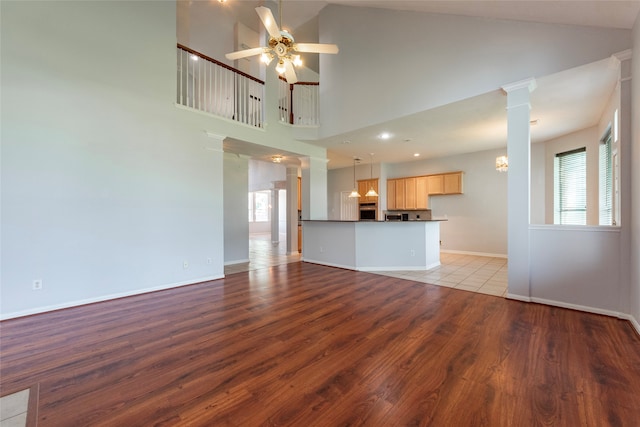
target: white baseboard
<point>329,264</point>
<point>451,251</point>
<point>584,308</point>
<point>518,297</point>
<point>633,321</point>
<point>105,298</point>
<point>236,261</point>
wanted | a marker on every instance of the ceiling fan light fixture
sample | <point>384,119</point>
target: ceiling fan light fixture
<point>297,61</point>
<point>266,58</point>
<point>280,68</point>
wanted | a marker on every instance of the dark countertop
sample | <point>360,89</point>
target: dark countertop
<point>365,221</point>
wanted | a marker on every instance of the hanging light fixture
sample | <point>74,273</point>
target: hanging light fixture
<point>502,163</point>
<point>371,192</point>
<point>354,193</point>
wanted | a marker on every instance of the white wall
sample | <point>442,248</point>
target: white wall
<point>263,174</point>
<point>576,267</point>
<point>634,297</point>
<point>236,225</point>
<point>442,59</point>
<point>477,219</point>
<point>107,188</point>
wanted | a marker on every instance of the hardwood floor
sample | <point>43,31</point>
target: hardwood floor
<point>306,345</point>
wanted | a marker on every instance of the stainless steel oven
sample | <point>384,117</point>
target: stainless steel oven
<point>368,211</point>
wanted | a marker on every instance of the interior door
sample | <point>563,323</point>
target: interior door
<point>349,208</point>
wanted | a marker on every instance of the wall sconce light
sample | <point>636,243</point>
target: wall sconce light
<point>276,158</point>
<point>502,163</point>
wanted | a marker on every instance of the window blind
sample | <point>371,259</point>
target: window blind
<point>571,185</point>
<point>606,181</point>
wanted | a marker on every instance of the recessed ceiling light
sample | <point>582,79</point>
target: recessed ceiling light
<point>416,154</point>
<point>407,140</point>
<point>346,141</point>
<point>385,135</point>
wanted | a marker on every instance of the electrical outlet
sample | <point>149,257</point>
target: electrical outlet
<point>209,261</point>
<point>413,252</point>
<point>185,264</point>
<point>321,249</point>
<point>37,284</point>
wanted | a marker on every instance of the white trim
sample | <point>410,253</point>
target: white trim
<point>487,254</point>
<point>522,298</point>
<point>204,113</point>
<point>529,83</point>
<point>106,298</point>
<point>400,268</point>
<point>236,261</point>
<point>633,321</point>
<point>329,264</point>
<point>577,307</point>
<point>590,228</point>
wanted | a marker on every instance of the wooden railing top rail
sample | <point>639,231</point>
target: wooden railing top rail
<point>228,67</point>
<point>300,83</point>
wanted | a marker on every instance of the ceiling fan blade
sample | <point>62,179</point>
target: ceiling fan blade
<point>244,53</point>
<point>269,21</point>
<point>290,72</point>
<point>316,48</point>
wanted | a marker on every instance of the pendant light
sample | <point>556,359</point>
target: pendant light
<point>354,193</point>
<point>371,192</point>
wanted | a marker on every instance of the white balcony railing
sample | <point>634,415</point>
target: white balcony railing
<point>216,88</point>
<point>213,87</point>
<point>299,103</point>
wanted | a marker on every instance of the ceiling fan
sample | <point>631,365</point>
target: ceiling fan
<point>281,46</point>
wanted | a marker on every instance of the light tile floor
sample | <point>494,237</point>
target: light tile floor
<point>13,409</point>
<point>486,275</point>
<point>263,254</point>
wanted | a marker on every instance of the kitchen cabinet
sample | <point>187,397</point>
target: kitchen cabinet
<point>422,193</point>
<point>446,183</point>
<point>399,183</point>
<point>391,194</point>
<point>413,192</point>
<point>453,183</point>
<point>410,193</point>
<point>407,193</point>
<point>363,187</point>
<point>435,184</point>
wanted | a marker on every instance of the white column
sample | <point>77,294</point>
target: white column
<point>519,187</point>
<point>275,215</point>
<point>292,210</point>
<point>624,154</point>
<point>314,188</point>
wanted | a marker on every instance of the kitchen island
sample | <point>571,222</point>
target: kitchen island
<point>372,245</point>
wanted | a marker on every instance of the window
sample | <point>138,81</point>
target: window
<point>606,181</point>
<point>570,187</point>
<point>259,206</point>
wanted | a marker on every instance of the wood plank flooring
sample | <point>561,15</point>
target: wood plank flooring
<point>306,345</point>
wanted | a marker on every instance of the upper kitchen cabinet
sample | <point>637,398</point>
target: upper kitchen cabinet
<point>446,183</point>
<point>407,193</point>
<point>452,183</point>
<point>363,187</point>
<point>413,192</point>
<point>435,184</point>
